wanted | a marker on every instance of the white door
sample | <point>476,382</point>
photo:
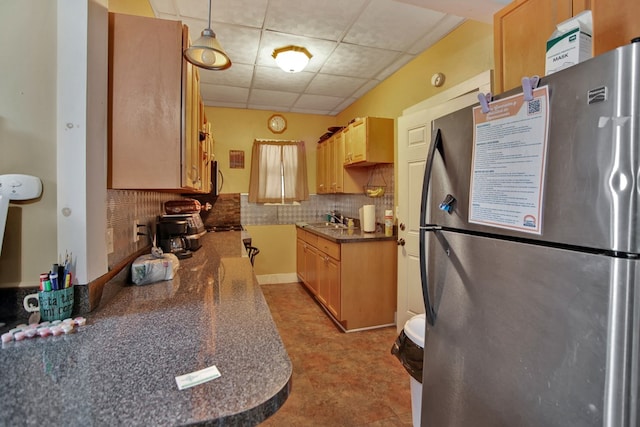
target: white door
<point>414,139</point>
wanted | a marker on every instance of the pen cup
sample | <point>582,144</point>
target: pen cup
<point>53,305</point>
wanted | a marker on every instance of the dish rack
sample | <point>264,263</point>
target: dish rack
<point>376,184</point>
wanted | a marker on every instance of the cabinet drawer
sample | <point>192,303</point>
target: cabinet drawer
<point>330,248</point>
<point>310,238</point>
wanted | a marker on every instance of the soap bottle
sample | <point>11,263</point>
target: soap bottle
<point>388,222</point>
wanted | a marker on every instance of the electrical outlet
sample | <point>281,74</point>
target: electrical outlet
<point>109,240</point>
<point>136,228</point>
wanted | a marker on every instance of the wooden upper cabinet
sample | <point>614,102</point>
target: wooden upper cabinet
<point>615,23</point>
<point>368,141</point>
<point>322,186</point>
<point>522,28</point>
<point>153,107</point>
<point>520,32</point>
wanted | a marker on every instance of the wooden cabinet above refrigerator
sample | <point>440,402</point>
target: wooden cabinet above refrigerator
<point>521,30</point>
<point>155,111</point>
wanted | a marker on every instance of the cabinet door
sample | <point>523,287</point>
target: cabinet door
<point>145,102</point>
<point>312,263</point>
<point>358,132</point>
<point>338,162</point>
<point>348,143</point>
<point>521,30</point>
<point>321,151</point>
<point>190,154</point>
<point>614,24</point>
<point>330,169</point>
<point>332,278</point>
<point>300,260</point>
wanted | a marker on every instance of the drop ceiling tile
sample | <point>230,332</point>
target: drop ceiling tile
<point>326,84</point>
<point>344,104</point>
<point>394,66</point>
<point>238,75</point>
<point>317,102</point>
<point>365,88</point>
<point>276,79</point>
<point>311,111</point>
<point>357,61</point>
<point>272,97</point>
<point>240,43</point>
<point>164,6</point>
<point>401,24</point>
<point>436,32</point>
<point>328,19</point>
<point>240,12</point>
<point>355,45</point>
<point>242,105</point>
<point>267,107</point>
<point>215,93</point>
<point>319,49</point>
<point>198,9</point>
<point>478,10</point>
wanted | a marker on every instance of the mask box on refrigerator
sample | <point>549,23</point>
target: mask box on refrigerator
<point>570,43</point>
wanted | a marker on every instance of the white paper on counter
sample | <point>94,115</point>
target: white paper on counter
<point>197,377</point>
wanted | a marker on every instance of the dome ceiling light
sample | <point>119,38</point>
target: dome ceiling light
<point>292,59</point>
<point>206,52</point>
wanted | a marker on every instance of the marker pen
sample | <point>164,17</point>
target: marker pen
<point>54,281</point>
<point>43,278</point>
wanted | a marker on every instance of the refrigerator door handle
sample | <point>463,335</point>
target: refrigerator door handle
<point>429,310</point>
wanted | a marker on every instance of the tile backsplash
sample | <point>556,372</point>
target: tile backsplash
<point>124,207</point>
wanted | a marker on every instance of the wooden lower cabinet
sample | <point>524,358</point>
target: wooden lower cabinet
<point>355,282</point>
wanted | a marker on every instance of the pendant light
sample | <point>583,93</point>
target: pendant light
<point>291,59</point>
<point>206,52</point>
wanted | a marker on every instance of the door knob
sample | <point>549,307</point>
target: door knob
<point>400,242</point>
<point>402,227</point>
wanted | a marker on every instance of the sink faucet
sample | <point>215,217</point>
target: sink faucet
<point>335,219</point>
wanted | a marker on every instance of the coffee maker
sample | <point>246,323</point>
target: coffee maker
<point>180,234</point>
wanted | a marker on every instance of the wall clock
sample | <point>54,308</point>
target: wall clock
<point>277,123</point>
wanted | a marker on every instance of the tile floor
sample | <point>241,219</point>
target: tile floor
<point>338,379</point>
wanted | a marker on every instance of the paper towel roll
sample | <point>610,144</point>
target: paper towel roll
<point>369,218</point>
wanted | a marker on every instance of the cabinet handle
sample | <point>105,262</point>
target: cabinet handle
<point>400,242</point>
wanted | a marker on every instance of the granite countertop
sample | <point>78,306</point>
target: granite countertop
<point>343,235</point>
<point>120,368</point>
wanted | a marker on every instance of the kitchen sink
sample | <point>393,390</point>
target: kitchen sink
<point>326,225</point>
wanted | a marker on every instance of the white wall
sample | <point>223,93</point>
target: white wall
<point>28,134</point>
<point>53,121</point>
<point>82,135</point>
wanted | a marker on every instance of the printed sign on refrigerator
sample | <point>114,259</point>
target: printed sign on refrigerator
<point>507,173</point>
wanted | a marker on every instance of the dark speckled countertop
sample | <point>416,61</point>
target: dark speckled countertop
<point>120,368</point>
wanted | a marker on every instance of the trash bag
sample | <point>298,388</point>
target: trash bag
<point>409,354</point>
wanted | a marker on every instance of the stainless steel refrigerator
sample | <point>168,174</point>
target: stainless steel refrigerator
<point>537,328</point>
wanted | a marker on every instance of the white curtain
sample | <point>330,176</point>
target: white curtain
<point>278,172</point>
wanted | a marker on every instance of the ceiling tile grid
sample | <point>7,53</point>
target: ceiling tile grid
<point>355,44</point>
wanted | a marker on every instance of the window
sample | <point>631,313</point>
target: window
<point>278,172</point>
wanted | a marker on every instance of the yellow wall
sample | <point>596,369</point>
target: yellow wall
<point>131,7</point>
<point>275,243</point>
<point>236,129</point>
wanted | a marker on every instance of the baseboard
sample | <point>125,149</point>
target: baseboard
<point>267,279</point>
